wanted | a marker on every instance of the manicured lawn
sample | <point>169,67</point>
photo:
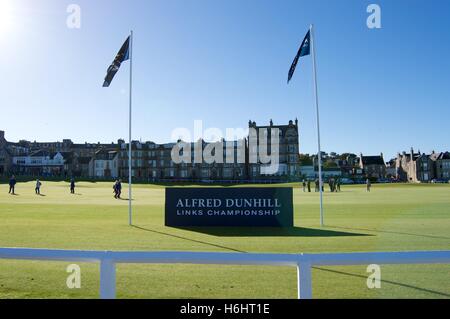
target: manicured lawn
<point>390,218</point>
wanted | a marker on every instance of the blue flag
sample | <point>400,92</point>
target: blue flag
<point>122,55</point>
<point>305,49</point>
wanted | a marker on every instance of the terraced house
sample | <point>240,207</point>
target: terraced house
<point>154,162</point>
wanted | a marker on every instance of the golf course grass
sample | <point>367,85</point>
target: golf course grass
<point>390,218</point>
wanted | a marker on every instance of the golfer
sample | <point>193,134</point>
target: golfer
<point>12,185</point>
<point>38,187</point>
<point>72,185</point>
<point>119,188</point>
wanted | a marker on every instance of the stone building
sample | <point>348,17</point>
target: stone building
<point>414,167</point>
<point>441,165</point>
<point>289,156</point>
<point>5,155</point>
<point>153,162</point>
<point>105,164</point>
<point>373,166</point>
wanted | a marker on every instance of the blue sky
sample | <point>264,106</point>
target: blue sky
<point>225,62</point>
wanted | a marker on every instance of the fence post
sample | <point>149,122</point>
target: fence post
<point>107,279</point>
<point>304,286</point>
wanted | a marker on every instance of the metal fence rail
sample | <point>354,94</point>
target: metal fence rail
<point>303,262</point>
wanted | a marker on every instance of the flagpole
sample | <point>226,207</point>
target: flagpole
<point>130,212</point>
<point>319,156</point>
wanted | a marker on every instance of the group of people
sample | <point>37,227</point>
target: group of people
<point>37,189</point>
<point>117,189</point>
<point>335,185</point>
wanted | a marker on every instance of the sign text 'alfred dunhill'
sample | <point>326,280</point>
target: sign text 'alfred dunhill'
<point>264,207</point>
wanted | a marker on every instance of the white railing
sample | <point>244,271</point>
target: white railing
<point>303,262</point>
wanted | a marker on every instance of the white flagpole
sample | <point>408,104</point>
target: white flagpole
<point>319,156</point>
<point>130,215</point>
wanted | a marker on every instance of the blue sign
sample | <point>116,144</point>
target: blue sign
<point>229,207</point>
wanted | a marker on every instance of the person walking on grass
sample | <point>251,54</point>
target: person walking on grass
<point>37,190</point>
<point>304,186</point>
<point>338,185</point>
<point>116,183</point>
<point>317,186</point>
<point>309,186</point>
<point>368,184</point>
<point>331,184</point>
<point>12,185</point>
<point>72,185</point>
<point>119,189</point>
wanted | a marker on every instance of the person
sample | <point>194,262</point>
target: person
<point>72,185</point>
<point>309,186</point>
<point>369,184</point>
<point>331,184</point>
<point>119,188</point>
<point>304,186</point>
<point>338,185</point>
<point>38,187</point>
<point>12,185</point>
<point>115,188</point>
<point>317,185</point>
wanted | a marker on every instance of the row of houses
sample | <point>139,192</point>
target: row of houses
<point>151,161</point>
<point>415,167</point>
<point>420,167</point>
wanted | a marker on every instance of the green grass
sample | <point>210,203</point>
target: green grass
<point>390,218</point>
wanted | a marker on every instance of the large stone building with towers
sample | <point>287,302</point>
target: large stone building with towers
<point>153,162</point>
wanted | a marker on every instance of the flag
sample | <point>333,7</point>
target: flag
<point>305,49</point>
<point>122,55</point>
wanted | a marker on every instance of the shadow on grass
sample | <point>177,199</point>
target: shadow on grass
<point>189,239</point>
<point>269,232</point>
<point>385,281</point>
<point>391,232</point>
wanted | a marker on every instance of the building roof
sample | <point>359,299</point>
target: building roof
<point>441,156</point>
<point>106,154</point>
<point>43,153</point>
<point>372,160</point>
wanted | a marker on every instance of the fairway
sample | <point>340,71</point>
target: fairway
<point>390,218</point>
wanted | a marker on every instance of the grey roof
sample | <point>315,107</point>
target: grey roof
<point>372,160</point>
<point>106,154</point>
